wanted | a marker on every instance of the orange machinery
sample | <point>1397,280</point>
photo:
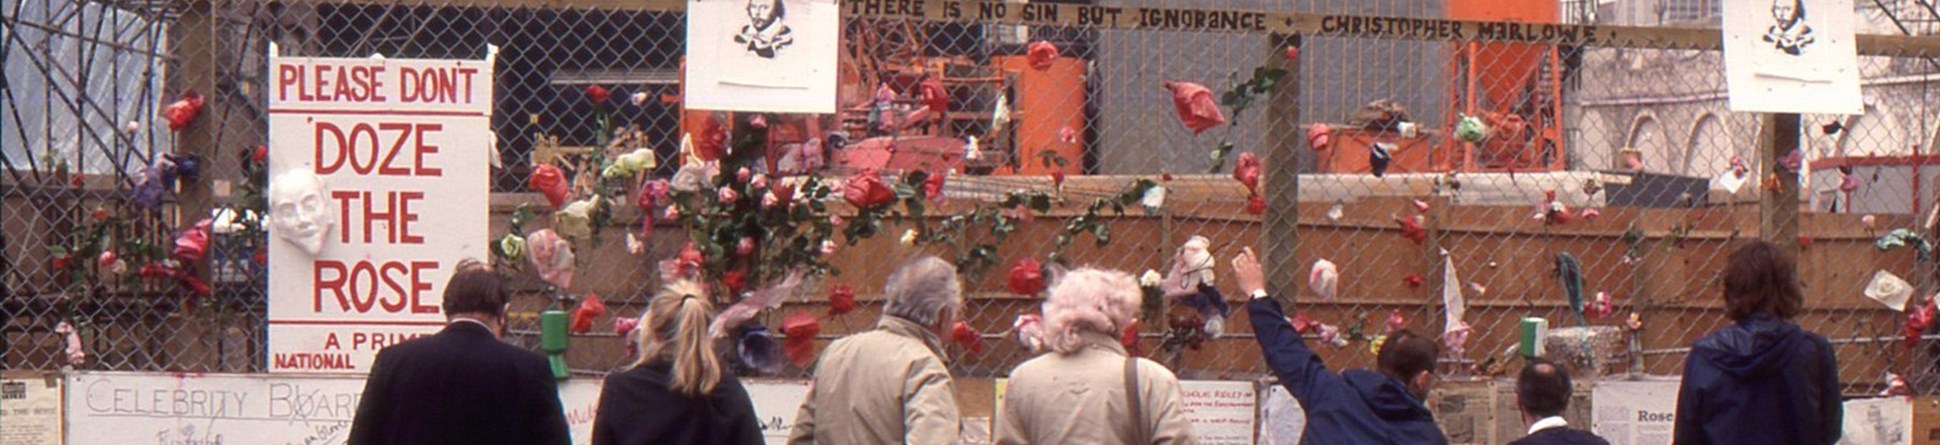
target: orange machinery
<point>1516,88</point>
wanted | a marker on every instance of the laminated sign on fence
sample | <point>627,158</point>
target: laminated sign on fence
<point>379,171</point>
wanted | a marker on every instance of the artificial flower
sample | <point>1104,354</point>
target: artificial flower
<point>1195,106</point>
<point>1040,55</point>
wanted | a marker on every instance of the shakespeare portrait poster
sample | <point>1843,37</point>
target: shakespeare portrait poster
<point>775,56</point>
<point>1791,56</point>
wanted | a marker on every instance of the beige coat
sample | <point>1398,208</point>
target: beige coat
<point>885,386</point>
<point>1080,398</point>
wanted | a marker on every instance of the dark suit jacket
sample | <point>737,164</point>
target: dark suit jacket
<point>462,385</point>
<point>1561,436</point>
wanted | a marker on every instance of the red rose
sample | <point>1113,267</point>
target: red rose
<point>625,325</point>
<point>1396,321</point>
<point>550,181</point>
<point>1293,52</point>
<point>1917,323</point>
<point>1319,136</point>
<point>1195,106</point>
<point>260,155</point>
<point>1041,54</point>
<point>690,258</point>
<point>799,330</point>
<point>963,335</point>
<point>711,144</point>
<point>1413,281</point>
<point>1247,171</point>
<point>196,285</point>
<point>933,187</point>
<point>193,243</point>
<point>1411,228</point>
<point>156,270</point>
<point>734,280</point>
<point>183,111</point>
<point>1255,204</point>
<point>865,190</point>
<point>841,299</point>
<point>79,180</point>
<point>60,262</point>
<point>260,257</point>
<point>589,308</point>
<point>598,94</point>
<point>1301,323</point>
<point>99,214</point>
<point>1026,277</point>
<point>1129,339</point>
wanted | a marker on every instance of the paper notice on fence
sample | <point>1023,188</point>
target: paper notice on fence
<point>776,402</point>
<point>1882,421</point>
<point>1634,413</point>
<point>31,403</point>
<point>379,175</point>
<point>775,56</point>
<point>1281,419</point>
<point>1791,56</point>
<point>1221,412</point>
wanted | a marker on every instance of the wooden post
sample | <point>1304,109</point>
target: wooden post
<point>1279,226</point>
<point>1778,210</point>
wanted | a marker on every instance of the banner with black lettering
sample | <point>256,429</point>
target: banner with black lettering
<point>379,186</point>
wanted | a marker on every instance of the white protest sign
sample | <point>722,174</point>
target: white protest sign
<point>131,407</point>
<point>31,403</point>
<point>1221,412</point>
<point>379,174</point>
<point>775,56</point>
<point>1791,56</point>
<point>1634,412</point>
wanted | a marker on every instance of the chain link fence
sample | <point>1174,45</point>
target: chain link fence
<point>1502,158</point>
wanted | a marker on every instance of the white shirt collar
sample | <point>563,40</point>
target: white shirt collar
<point>472,321</point>
<point>1547,423</point>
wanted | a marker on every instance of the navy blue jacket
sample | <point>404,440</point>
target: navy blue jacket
<point>1354,407</point>
<point>1760,381</point>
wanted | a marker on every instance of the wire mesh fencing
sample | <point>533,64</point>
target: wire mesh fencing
<point>1421,165</point>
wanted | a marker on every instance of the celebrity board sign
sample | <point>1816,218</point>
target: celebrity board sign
<point>379,176</point>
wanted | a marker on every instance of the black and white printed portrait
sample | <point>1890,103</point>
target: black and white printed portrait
<point>767,30</point>
<point>1789,32</point>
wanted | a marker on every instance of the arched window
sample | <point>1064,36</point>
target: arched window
<point>1710,148</point>
<point>1647,135</point>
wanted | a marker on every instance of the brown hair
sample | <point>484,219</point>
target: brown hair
<point>1405,355</point>
<point>1762,278</point>
<point>676,325</point>
<point>475,289</point>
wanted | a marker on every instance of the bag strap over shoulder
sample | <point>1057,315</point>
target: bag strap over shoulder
<point>1135,402</point>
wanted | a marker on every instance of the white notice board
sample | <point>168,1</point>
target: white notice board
<point>1791,56</point>
<point>1634,412</point>
<point>400,151</point>
<point>31,404</point>
<point>1221,412</point>
<point>132,407</point>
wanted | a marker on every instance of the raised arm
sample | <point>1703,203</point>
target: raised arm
<point>1297,367</point>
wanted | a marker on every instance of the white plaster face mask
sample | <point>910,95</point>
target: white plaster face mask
<point>299,212</point>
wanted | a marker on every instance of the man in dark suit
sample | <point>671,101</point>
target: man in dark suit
<point>462,385</point>
<point>1542,392</point>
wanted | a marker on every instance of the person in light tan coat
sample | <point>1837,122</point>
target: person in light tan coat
<point>1078,393</point>
<point>890,385</point>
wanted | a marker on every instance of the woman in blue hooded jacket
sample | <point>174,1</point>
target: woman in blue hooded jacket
<point>1762,380</point>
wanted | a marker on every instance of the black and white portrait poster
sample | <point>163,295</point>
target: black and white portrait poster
<point>775,56</point>
<point>1791,56</point>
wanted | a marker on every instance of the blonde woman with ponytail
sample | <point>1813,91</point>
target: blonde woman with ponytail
<point>677,391</point>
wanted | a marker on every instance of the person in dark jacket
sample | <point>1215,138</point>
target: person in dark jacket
<point>1354,407</point>
<point>676,393</point>
<point>462,385</point>
<point>1762,380</point>
<point>1542,393</point>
